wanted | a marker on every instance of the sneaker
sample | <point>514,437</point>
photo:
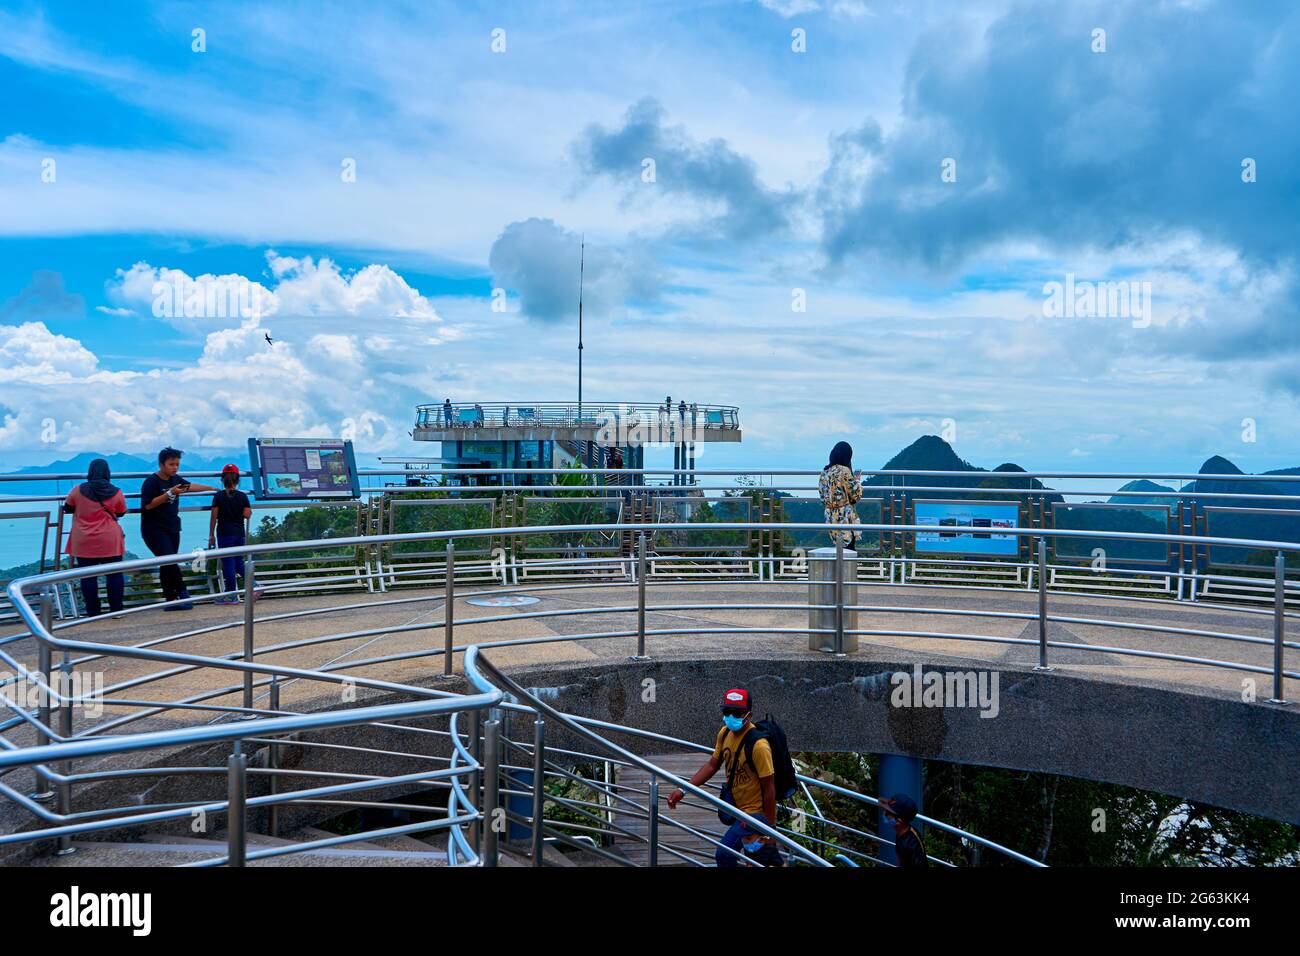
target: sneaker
<point>187,606</point>
<point>227,599</point>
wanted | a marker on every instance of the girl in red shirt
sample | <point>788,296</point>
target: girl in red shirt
<point>96,538</point>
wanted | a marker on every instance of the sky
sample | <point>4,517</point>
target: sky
<point>846,217</point>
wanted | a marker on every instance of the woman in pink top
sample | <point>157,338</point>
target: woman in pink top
<point>96,538</point>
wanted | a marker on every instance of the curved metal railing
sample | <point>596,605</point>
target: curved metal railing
<point>52,740</point>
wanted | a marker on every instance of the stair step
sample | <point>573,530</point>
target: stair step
<point>193,851</point>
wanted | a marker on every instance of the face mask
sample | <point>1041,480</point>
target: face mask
<point>733,723</point>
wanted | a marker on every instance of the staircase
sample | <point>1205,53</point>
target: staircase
<point>166,849</point>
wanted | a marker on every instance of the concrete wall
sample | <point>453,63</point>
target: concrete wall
<point>1219,751</point>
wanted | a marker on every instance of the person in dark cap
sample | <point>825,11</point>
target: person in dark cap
<point>909,851</point>
<point>751,782</point>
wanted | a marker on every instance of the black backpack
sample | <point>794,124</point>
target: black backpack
<point>783,767</point>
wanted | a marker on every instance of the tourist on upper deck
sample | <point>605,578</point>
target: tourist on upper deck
<point>446,412</point>
<point>96,538</point>
<point>840,488</point>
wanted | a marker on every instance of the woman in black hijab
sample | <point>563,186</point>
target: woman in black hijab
<point>96,537</point>
<point>840,488</point>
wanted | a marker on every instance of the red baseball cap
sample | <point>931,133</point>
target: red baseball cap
<point>229,468</point>
<point>736,697</point>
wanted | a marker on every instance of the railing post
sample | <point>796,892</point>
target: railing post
<point>44,665</point>
<point>1279,629</point>
<point>839,597</point>
<point>65,766</point>
<point>491,783</point>
<point>539,788</point>
<point>1042,605</point>
<point>609,803</point>
<point>476,751</point>
<point>448,613</point>
<point>273,760</point>
<point>248,633</point>
<point>236,791</point>
<point>640,599</point>
<point>654,822</point>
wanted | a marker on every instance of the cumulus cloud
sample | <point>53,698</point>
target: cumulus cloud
<point>538,260</point>
<point>709,174</point>
<point>44,298</point>
<point>1055,143</point>
<point>325,381</point>
<point>301,287</point>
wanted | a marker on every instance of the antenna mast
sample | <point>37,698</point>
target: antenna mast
<point>582,259</point>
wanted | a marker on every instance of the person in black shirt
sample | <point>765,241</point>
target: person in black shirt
<point>160,521</point>
<point>230,509</point>
<point>909,851</point>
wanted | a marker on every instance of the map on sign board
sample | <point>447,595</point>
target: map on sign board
<point>289,468</point>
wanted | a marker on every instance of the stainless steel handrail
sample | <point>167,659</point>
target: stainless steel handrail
<point>64,746</point>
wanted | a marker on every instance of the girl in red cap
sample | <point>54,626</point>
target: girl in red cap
<point>230,510</point>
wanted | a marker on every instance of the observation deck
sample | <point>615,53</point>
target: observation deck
<point>565,421</point>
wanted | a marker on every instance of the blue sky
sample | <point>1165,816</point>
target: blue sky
<point>128,158</point>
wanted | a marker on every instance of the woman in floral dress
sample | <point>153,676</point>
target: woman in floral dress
<point>840,489</point>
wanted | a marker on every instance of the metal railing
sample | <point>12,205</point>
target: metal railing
<point>570,414</point>
<point>51,739</point>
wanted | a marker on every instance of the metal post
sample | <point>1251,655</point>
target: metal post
<point>839,597</point>
<point>640,599</point>
<point>448,613</point>
<point>654,822</point>
<point>476,751</point>
<point>65,766</point>
<point>44,665</point>
<point>609,802</point>
<point>539,787</point>
<point>273,760</point>
<point>1042,606</point>
<point>248,633</point>
<point>236,784</point>
<point>491,781</point>
<point>1279,628</point>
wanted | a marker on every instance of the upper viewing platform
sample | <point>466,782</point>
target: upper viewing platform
<point>639,422</point>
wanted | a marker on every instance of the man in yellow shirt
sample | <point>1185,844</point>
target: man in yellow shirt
<point>751,781</point>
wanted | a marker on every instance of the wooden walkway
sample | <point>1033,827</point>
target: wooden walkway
<point>689,812</point>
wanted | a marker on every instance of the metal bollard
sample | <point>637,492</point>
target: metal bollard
<point>248,632</point>
<point>1279,629</point>
<point>237,791</point>
<point>640,599</point>
<point>448,612</point>
<point>539,788</point>
<point>491,783</point>
<point>654,822</point>
<point>1042,606</point>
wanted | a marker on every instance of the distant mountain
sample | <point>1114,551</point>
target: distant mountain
<point>932,453</point>
<point>118,464</point>
<point>1143,484</point>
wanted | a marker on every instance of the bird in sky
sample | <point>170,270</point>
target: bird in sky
<point>267,335</point>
